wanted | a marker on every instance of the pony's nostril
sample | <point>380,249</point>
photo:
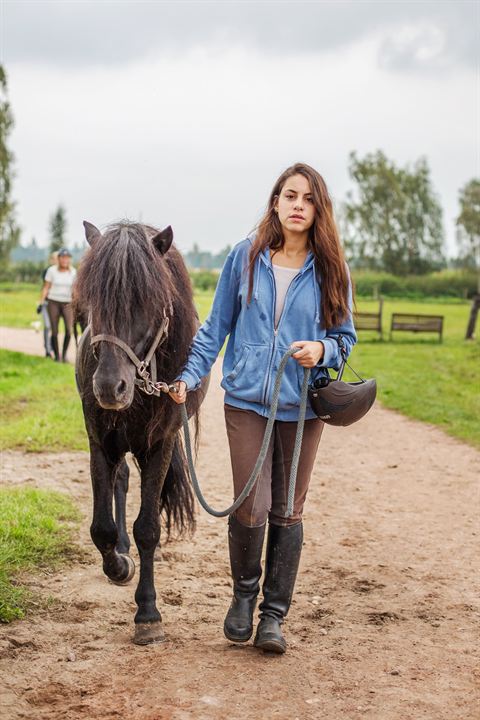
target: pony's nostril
<point>121,387</point>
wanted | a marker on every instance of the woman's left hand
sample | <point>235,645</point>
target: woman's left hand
<point>310,353</point>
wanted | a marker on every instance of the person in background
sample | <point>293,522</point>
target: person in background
<point>43,311</point>
<point>57,290</point>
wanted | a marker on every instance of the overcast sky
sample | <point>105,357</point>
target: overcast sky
<point>185,113</point>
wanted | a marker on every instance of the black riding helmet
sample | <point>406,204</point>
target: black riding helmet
<point>341,403</point>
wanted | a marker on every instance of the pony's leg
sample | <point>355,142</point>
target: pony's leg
<point>120,494</point>
<point>146,531</point>
<point>103,530</point>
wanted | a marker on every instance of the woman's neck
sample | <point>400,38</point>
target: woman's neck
<point>295,243</point>
<point>293,252</point>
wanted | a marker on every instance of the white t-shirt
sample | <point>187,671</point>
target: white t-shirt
<point>283,278</point>
<point>61,289</point>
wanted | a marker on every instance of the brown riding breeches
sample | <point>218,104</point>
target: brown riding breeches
<point>268,499</point>
<point>60,309</point>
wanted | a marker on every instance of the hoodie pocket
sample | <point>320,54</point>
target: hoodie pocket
<point>237,368</point>
<point>246,379</point>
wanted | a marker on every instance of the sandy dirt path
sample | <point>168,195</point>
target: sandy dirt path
<point>384,623</point>
<point>29,341</point>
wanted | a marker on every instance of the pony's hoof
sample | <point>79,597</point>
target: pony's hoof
<point>148,633</point>
<point>130,571</point>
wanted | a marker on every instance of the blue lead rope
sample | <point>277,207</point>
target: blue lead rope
<point>264,448</point>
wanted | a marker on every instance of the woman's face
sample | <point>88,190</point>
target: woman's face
<point>64,262</point>
<point>294,205</point>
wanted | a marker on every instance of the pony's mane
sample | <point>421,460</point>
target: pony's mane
<point>121,272</point>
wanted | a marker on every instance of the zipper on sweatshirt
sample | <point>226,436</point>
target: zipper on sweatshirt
<point>275,330</point>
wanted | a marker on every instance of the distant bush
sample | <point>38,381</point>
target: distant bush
<point>204,279</point>
<point>447,283</point>
<point>23,272</point>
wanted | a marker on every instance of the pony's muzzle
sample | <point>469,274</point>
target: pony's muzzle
<point>113,395</point>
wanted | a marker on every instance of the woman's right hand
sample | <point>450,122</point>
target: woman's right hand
<point>181,392</point>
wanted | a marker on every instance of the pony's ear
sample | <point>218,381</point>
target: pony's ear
<point>162,240</point>
<point>92,233</point>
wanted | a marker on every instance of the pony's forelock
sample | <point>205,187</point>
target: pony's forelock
<point>123,271</point>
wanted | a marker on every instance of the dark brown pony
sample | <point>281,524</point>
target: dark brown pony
<point>131,279</point>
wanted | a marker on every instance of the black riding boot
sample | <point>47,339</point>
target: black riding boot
<point>54,340</point>
<point>284,547</point>
<point>66,343</point>
<point>245,545</point>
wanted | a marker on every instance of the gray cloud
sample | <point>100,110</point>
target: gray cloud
<point>431,35</point>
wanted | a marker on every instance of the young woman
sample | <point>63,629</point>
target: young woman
<point>42,309</point>
<point>286,285</point>
<point>57,289</point>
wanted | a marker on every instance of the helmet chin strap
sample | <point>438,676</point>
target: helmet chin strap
<point>343,352</point>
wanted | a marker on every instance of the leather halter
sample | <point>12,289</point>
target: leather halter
<point>146,382</point>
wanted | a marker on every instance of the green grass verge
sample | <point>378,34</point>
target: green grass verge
<point>203,303</point>
<point>35,532</point>
<point>39,405</point>
<point>18,302</point>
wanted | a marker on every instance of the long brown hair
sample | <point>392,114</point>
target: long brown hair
<point>323,241</point>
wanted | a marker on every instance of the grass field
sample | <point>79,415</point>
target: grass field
<point>39,406</point>
<point>36,529</point>
<point>18,302</point>
<point>433,382</point>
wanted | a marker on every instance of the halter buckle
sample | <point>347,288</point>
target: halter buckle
<point>142,370</point>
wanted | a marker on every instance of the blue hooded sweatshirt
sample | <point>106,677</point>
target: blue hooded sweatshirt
<point>255,348</point>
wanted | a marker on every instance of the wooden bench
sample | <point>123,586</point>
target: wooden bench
<point>369,320</point>
<point>417,323</point>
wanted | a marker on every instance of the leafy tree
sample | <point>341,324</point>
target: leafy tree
<point>57,229</point>
<point>468,238</point>
<point>468,225</point>
<point>9,231</point>
<point>395,224</point>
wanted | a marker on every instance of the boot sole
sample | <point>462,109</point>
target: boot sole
<point>271,646</point>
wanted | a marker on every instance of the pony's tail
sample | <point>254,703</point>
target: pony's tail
<point>177,502</point>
